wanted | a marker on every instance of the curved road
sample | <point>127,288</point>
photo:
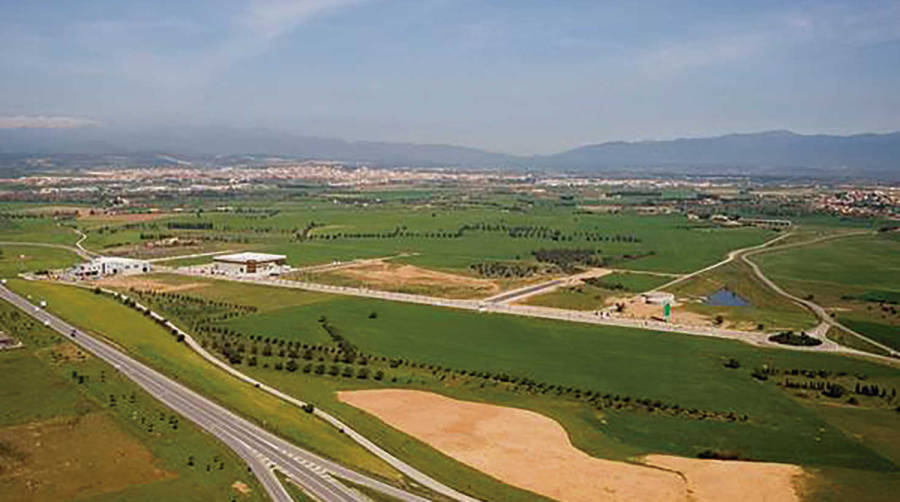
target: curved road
<point>262,450</point>
<point>826,320</point>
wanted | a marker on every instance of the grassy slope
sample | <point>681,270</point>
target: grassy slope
<point>683,369</point>
<point>44,389</point>
<point>766,307</point>
<point>156,346</point>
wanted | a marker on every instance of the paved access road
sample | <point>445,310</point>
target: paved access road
<point>262,450</point>
<point>824,317</point>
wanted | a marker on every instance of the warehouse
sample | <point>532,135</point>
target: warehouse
<point>103,266</point>
<point>249,263</point>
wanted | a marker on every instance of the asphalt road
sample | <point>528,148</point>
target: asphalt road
<point>823,315</point>
<point>262,450</point>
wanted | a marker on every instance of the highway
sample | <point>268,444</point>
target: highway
<point>262,450</point>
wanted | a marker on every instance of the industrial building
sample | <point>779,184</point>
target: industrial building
<point>103,266</point>
<point>249,263</point>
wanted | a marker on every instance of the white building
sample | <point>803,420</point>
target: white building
<point>249,263</point>
<point>658,298</point>
<point>103,266</point>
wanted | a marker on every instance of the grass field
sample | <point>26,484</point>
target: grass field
<point>883,333</point>
<point>581,297</point>
<point>444,238</point>
<point>151,343</point>
<point>856,278</point>
<point>16,259</point>
<point>155,346</point>
<point>72,427</point>
<point>685,370</point>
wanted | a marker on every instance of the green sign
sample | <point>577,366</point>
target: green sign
<point>668,310</point>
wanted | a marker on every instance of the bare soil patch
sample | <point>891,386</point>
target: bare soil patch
<point>143,283</point>
<point>399,277</point>
<point>242,488</point>
<point>636,308</point>
<point>735,481</point>
<point>530,451</point>
<point>67,458</point>
<point>124,217</point>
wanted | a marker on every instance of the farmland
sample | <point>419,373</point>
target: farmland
<point>101,436</point>
<point>862,292</point>
<point>619,393</point>
<point>686,371</point>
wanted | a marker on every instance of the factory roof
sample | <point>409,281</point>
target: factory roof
<point>248,257</point>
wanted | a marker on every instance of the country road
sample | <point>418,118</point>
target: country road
<point>262,450</point>
<point>819,311</point>
<point>755,338</point>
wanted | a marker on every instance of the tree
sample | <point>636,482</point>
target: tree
<point>291,366</point>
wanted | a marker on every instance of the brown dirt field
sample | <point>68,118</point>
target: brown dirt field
<point>79,457</point>
<point>393,276</point>
<point>530,451</point>
<point>124,217</point>
<point>635,308</point>
<point>735,481</point>
<point>144,283</point>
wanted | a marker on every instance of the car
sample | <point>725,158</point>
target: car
<point>72,333</point>
<point>46,323</point>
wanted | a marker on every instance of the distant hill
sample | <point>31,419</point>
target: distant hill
<point>207,141</point>
<point>758,153</point>
<point>774,153</point>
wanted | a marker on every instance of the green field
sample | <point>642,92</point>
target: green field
<point>620,393</point>
<point>154,345</point>
<point>452,237</point>
<point>677,369</point>
<point>104,436</point>
<point>16,259</point>
<point>857,278</point>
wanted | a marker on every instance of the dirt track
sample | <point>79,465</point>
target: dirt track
<point>530,451</point>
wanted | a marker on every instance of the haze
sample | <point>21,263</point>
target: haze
<point>520,77</point>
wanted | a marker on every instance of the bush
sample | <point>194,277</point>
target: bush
<point>791,338</point>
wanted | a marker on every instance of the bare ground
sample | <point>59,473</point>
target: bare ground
<point>143,283</point>
<point>399,277</point>
<point>530,451</point>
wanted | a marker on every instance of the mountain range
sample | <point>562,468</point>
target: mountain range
<point>771,153</point>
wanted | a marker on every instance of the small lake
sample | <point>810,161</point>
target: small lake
<point>726,298</point>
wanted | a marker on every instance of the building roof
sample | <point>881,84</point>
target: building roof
<point>116,259</point>
<point>247,257</point>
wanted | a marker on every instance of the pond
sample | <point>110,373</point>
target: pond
<point>726,298</point>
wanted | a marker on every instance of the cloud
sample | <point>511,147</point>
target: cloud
<point>672,59</point>
<point>271,18</point>
<point>45,122</point>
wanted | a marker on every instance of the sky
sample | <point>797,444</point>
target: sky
<point>517,76</point>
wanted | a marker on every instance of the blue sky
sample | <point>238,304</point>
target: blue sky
<point>515,76</point>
